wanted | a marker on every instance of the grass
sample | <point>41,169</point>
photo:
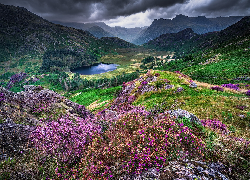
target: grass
<point>203,102</point>
<point>127,132</point>
<point>96,97</point>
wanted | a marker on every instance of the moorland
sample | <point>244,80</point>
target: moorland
<point>177,106</point>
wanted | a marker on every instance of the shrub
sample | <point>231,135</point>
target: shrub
<point>248,93</point>
<point>2,97</point>
<point>217,88</point>
<point>231,86</point>
<point>135,143</point>
<point>65,138</point>
<point>15,79</point>
<point>215,124</point>
<point>157,74</point>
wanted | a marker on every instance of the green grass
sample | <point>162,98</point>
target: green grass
<point>88,96</point>
<point>202,101</point>
<point>229,66</point>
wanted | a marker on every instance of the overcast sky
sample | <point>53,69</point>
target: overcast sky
<point>130,13</point>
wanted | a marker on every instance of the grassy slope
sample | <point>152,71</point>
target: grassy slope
<point>201,101</point>
<point>223,55</point>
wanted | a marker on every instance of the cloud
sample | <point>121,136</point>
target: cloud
<point>135,20</point>
<point>222,5</point>
<point>89,10</point>
<point>130,13</point>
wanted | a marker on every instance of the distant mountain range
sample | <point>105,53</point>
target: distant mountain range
<point>24,34</point>
<point>200,25</point>
<point>188,42</point>
<point>127,34</point>
<point>138,36</point>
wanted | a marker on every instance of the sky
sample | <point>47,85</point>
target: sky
<point>130,13</point>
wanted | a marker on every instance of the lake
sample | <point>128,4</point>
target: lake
<point>95,69</point>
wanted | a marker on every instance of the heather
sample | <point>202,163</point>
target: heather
<point>147,123</point>
<point>179,113</point>
<point>160,140</point>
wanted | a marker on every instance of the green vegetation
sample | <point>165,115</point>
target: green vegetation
<point>131,112</point>
<point>97,97</point>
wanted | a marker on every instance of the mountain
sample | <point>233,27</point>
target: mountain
<point>170,39</point>
<point>188,42</point>
<point>112,42</point>
<point>200,25</point>
<point>127,34</point>
<point>93,28</point>
<point>99,32</point>
<point>216,57</point>
<point>24,36</point>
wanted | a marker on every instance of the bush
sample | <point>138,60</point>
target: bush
<point>64,139</point>
<point>217,88</point>
<point>248,93</point>
<point>231,86</point>
<point>135,143</point>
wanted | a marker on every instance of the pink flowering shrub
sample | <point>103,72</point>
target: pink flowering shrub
<point>2,97</point>
<point>217,88</point>
<point>65,138</point>
<point>248,93</point>
<point>215,124</point>
<point>137,142</point>
<point>231,86</point>
<point>16,78</point>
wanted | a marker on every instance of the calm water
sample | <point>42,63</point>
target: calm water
<point>95,69</point>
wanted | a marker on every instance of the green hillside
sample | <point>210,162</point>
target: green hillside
<point>177,107</point>
<point>219,57</point>
<point>27,40</point>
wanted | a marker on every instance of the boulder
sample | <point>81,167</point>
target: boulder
<point>193,85</point>
<point>179,113</point>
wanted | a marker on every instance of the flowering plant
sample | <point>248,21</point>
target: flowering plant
<point>231,86</point>
<point>215,124</point>
<point>248,93</point>
<point>2,97</point>
<point>217,88</point>
<point>136,143</point>
<point>16,78</point>
<point>65,138</point>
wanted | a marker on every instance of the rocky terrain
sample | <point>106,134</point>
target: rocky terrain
<point>200,25</point>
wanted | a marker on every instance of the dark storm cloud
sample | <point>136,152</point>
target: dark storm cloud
<point>93,9</point>
<point>128,7</point>
<point>138,12</point>
<point>232,6</point>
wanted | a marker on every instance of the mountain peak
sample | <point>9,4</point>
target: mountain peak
<point>186,31</point>
<point>180,17</point>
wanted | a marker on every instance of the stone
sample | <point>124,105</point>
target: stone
<point>179,113</point>
<point>193,85</point>
<point>32,88</point>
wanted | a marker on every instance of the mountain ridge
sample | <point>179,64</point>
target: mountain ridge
<point>199,24</point>
<point>201,41</point>
<point>25,34</point>
<point>127,34</point>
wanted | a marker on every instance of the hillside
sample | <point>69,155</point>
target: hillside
<point>93,28</point>
<point>167,41</point>
<point>120,132</point>
<point>127,34</point>
<point>177,107</point>
<point>26,40</point>
<point>99,32</point>
<point>216,57</point>
<point>200,25</point>
<point>237,31</point>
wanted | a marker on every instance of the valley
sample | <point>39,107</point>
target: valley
<point>177,106</point>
